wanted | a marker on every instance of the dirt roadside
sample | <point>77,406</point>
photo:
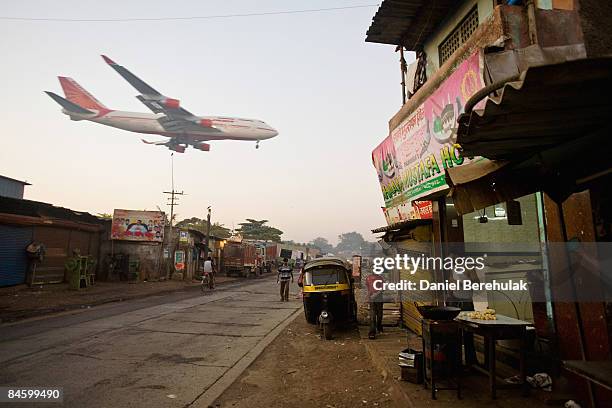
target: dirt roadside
<point>22,302</point>
<point>298,369</point>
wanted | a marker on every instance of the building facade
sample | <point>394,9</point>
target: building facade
<point>12,188</point>
<point>59,232</point>
<point>478,154</point>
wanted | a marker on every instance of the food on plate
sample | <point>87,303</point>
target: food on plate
<point>487,314</point>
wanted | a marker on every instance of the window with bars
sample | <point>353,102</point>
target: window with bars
<point>459,35</point>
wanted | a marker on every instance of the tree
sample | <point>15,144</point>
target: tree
<point>371,249</point>
<point>322,244</point>
<point>105,216</point>
<point>216,229</point>
<point>256,229</point>
<point>350,242</point>
<point>192,222</point>
<point>220,231</point>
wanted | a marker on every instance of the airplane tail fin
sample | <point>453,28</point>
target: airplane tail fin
<point>69,106</point>
<point>76,94</point>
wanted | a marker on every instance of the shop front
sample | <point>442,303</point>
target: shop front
<point>564,165</point>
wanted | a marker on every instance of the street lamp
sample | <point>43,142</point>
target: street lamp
<point>207,231</point>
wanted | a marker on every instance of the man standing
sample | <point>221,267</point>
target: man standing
<point>285,273</point>
<point>375,298</point>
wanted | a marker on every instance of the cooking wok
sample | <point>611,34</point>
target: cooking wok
<point>438,312</point>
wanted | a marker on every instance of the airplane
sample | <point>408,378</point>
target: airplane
<point>168,119</point>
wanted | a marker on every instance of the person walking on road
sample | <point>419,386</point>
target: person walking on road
<point>285,273</point>
<point>375,298</point>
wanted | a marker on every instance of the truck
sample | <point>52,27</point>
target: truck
<point>271,254</point>
<point>239,258</point>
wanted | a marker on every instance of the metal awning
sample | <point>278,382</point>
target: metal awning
<point>402,225</point>
<point>407,22</point>
<point>548,132</point>
<point>552,104</point>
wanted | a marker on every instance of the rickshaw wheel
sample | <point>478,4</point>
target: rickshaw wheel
<point>310,318</point>
<point>327,331</point>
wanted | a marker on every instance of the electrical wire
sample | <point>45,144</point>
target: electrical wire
<point>209,17</point>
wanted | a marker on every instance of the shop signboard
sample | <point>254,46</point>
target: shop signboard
<point>130,225</point>
<point>179,260</point>
<point>408,210</point>
<point>425,142</point>
<point>356,267</point>
<point>183,236</point>
<point>385,162</point>
<point>411,162</point>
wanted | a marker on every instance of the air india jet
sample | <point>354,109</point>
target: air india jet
<point>168,118</point>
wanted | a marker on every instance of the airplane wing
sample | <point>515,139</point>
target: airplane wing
<point>176,118</point>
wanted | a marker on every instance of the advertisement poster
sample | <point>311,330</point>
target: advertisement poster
<point>426,141</point>
<point>415,210</point>
<point>385,162</point>
<point>183,236</point>
<point>179,260</point>
<point>131,225</point>
<point>411,162</point>
<point>356,267</point>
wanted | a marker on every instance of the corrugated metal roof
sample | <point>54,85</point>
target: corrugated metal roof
<point>30,208</point>
<point>551,105</point>
<point>25,183</point>
<point>402,224</point>
<point>407,22</point>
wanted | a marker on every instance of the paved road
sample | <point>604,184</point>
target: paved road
<point>175,350</point>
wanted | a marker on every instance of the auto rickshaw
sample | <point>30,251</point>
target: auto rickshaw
<point>329,297</point>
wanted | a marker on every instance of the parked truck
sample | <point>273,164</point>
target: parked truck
<point>239,258</point>
<point>271,256</point>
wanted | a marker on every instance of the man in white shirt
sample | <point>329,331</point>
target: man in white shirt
<point>285,273</point>
<point>209,268</point>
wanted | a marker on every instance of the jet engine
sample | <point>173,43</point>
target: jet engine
<point>177,148</point>
<point>205,147</point>
<point>172,103</point>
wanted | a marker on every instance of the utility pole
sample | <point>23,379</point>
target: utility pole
<point>173,202</point>
<point>173,195</point>
<point>207,230</point>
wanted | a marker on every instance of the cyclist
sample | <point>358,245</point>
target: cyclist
<point>209,269</point>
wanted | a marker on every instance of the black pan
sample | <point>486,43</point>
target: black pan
<point>438,312</point>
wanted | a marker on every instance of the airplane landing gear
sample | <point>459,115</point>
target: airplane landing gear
<point>257,145</point>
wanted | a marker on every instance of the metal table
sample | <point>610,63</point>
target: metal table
<point>598,372</point>
<point>448,334</point>
<point>504,328</point>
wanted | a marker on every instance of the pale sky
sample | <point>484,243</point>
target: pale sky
<point>310,75</point>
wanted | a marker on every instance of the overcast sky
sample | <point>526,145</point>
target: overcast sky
<point>309,75</point>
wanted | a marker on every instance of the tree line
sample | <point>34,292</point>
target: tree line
<point>349,242</point>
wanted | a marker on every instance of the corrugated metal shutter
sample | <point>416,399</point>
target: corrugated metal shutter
<point>414,248</point>
<point>13,259</point>
<point>56,241</point>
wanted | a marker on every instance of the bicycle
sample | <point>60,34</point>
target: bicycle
<point>206,284</point>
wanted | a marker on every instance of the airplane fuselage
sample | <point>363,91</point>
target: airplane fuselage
<point>148,123</point>
<point>169,118</point>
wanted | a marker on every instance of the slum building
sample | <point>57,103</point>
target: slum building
<point>499,139</point>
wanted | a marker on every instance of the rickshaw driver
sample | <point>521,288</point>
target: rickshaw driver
<point>285,272</point>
